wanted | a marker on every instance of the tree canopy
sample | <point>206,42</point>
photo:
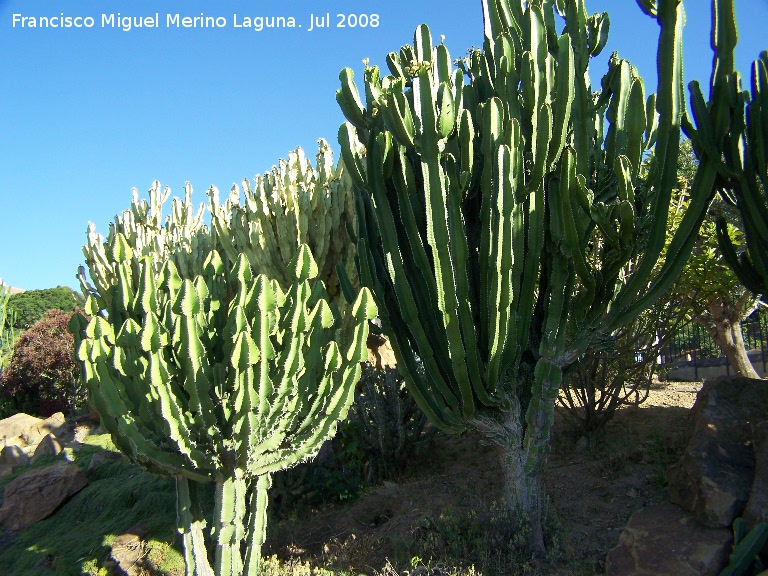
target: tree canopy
<point>28,308</point>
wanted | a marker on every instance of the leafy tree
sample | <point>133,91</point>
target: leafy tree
<point>29,307</point>
<point>42,377</point>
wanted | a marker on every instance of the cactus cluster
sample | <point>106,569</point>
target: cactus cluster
<point>291,205</point>
<point>207,369</point>
<point>502,206</point>
<point>729,133</point>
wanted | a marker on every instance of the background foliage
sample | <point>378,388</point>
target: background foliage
<point>29,307</point>
<point>41,377</point>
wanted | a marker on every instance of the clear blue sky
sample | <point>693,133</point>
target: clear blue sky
<point>87,114</point>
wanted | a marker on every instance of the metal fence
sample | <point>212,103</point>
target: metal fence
<point>692,344</point>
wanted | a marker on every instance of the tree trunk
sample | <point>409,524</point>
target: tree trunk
<point>722,320</point>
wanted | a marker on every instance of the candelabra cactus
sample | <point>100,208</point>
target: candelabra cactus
<point>214,373</point>
<point>730,139</point>
<point>499,207</point>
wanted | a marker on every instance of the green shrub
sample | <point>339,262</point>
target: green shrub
<point>8,334</point>
<point>41,377</point>
<point>384,429</point>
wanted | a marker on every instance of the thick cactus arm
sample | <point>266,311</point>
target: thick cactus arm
<point>257,525</point>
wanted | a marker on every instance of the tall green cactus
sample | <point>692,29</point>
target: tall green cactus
<point>731,137</point>
<point>500,205</point>
<point>214,373</point>
<point>7,331</point>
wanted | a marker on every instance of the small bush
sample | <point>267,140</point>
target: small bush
<point>41,377</point>
<point>393,428</point>
<point>384,429</point>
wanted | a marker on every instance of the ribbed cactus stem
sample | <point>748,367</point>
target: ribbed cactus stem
<point>257,523</point>
<point>191,525</point>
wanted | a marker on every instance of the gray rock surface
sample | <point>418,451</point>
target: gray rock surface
<point>37,493</point>
<point>713,478</point>
<point>665,540</point>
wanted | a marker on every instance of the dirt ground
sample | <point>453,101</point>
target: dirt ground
<point>593,485</point>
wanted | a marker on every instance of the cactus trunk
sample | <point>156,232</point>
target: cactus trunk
<point>190,523</point>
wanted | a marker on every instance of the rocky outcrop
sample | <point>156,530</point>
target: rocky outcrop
<point>713,479</point>
<point>665,540</point>
<point>757,505</point>
<point>37,494</point>
<point>25,430</point>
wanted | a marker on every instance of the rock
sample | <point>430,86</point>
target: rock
<point>55,424</point>
<point>665,540</point>
<point>15,429</point>
<point>13,455</point>
<point>36,494</point>
<point>757,505</point>
<point>6,470</point>
<point>713,478</point>
<point>25,430</point>
<point>380,353</point>
<point>48,446</point>
<point>128,552</point>
<point>101,457</point>
<point>81,432</point>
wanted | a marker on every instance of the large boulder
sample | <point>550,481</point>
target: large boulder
<point>665,540</point>
<point>714,476</point>
<point>37,494</point>
<point>757,505</point>
<point>25,430</point>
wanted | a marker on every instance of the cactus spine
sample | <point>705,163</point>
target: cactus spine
<point>212,372</point>
<point>500,205</point>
